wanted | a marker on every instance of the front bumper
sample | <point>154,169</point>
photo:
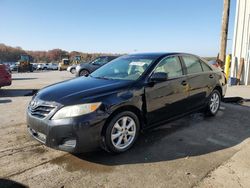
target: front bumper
<point>224,88</point>
<point>74,135</point>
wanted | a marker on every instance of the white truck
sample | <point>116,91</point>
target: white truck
<point>47,66</point>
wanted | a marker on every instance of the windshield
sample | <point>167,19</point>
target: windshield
<point>124,68</point>
<point>66,62</point>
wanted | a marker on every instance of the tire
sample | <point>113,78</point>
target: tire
<point>84,72</point>
<point>124,125</point>
<point>73,71</point>
<point>214,102</point>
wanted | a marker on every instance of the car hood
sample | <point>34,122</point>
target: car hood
<point>78,89</point>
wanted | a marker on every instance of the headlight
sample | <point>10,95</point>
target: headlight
<point>76,110</point>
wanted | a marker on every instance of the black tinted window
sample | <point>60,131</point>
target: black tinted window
<point>171,66</point>
<point>193,64</point>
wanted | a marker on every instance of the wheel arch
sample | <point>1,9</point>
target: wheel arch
<point>129,108</point>
<point>84,69</point>
<point>219,88</point>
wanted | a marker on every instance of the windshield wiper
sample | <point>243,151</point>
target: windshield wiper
<point>102,77</point>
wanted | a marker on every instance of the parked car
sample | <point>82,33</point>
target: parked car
<point>87,68</point>
<point>47,66</point>
<point>52,66</point>
<point>72,69</point>
<point>112,105</point>
<point>5,76</point>
<point>34,66</point>
<point>13,67</point>
<point>41,66</point>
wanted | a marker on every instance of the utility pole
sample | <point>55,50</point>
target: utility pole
<point>224,31</point>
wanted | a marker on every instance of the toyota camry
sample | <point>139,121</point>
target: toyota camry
<point>109,108</point>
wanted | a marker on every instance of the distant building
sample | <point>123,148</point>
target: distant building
<point>241,41</point>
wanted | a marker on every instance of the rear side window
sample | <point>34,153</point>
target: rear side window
<point>171,66</point>
<point>193,64</point>
<point>205,67</point>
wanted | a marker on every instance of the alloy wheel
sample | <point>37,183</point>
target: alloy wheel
<point>214,102</point>
<point>123,132</point>
<point>84,73</point>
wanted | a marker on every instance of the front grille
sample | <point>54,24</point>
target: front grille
<point>41,111</point>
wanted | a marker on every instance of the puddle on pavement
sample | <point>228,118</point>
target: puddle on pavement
<point>237,100</point>
<point>17,92</point>
<point>246,103</point>
<point>11,183</point>
<point>72,163</point>
<point>5,101</point>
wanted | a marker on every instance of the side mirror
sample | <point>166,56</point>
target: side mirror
<point>159,77</point>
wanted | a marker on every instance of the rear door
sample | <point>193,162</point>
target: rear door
<point>167,99</point>
<point>200,80</point>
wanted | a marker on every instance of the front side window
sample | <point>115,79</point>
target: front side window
<point>193,64</point>
<point>171,66</point>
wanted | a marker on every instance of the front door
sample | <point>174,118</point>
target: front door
<point>167,99</point>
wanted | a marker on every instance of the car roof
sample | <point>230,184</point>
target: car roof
<point>104,56</point>
<point>160,54</point>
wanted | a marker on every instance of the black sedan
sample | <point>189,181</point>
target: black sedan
<point>112,105</point>
<point>87,68</point>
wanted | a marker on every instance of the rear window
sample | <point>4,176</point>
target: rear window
<point>193,64</point>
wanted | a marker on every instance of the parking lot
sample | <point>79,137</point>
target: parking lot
<point>193,151</point>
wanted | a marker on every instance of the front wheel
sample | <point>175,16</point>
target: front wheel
<point>214,103</point>
<point>122,132</point>
<point>84,72</point>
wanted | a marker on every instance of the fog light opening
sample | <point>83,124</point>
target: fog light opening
<point>69,143</point>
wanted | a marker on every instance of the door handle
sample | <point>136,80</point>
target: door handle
<point>211,76</point>
<point>184,83</point>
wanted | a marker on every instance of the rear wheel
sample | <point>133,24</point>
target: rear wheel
<point>84,72</point>
<point>122,132</point>
<point>214,103</point>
